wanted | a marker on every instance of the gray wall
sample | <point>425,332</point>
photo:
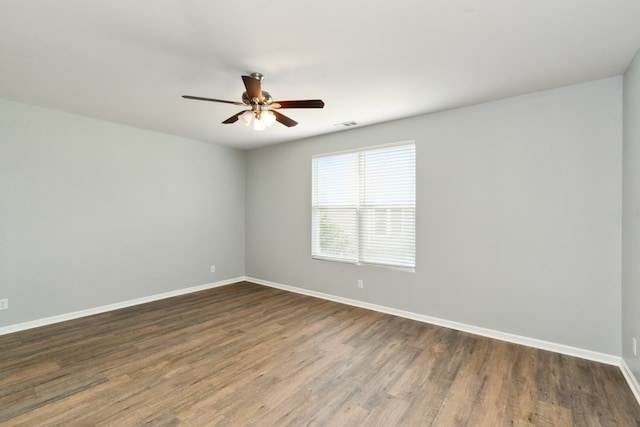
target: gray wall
<point>631,217</point>
<point>94,213</point>
<point>518,224</point>
<point>519,215</point>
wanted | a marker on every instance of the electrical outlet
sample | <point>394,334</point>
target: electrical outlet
<point>213,268</point>
<point>360,283</point>
<point>4,303</point>
<point>635,346</point>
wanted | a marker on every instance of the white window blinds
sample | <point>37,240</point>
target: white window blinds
<point>364,206</point>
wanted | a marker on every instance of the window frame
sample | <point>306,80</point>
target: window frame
<point>361,209</point>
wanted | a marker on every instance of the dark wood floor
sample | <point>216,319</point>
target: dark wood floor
<point>245,354</point>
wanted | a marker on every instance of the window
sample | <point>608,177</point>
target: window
<point>364,206</point>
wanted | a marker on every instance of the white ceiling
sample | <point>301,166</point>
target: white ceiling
<point>370,60</point>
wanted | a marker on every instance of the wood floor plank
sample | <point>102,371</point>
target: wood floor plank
<point>522,397</point>
<point>490,407</point>
<point>249,355</point>
<point>466,386</point>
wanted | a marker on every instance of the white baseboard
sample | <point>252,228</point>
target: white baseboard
<point>631,379</point>
<point>490,333</point>
<point>110,307</point>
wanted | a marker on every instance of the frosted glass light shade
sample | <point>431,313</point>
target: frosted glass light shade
<point>246,117</point>
<point>268,118</point>
<point>258,124</point>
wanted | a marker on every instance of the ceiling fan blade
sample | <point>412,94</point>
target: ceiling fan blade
<point>198,98</point>
<point>307,103</point>
<point>284,119</point>
<point>234,118</point>
<point>254,87</point>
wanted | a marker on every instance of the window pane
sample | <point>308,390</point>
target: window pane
<point>388,236</point>
<point>388,175</point>
<point>335,233</point>
<point>335,180</point>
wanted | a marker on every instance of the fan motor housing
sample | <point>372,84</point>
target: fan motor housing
<point>266,99</point>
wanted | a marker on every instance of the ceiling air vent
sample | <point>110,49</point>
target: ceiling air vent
<point>347,124</point>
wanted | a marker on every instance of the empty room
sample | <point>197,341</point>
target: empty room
<point>424,213</point>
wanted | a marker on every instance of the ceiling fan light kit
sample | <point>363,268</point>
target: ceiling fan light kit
<point>258,120</point>
<point>262,113</point>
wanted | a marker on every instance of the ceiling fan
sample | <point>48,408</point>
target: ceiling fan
<point>263,112</point>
